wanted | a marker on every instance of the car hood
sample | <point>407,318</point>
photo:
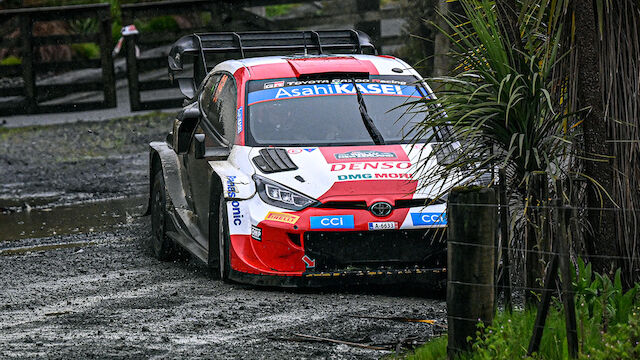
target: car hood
<point>344,172</point>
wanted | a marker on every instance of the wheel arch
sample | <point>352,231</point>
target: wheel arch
<point>159,159</point>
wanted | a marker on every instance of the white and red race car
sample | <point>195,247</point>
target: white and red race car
<point>297,169</point>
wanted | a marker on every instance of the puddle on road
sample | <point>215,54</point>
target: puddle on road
<point>72,219</point>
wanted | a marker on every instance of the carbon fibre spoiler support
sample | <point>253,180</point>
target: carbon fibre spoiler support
<point>204,46</point>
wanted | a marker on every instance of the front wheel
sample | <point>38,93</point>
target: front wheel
<point>161,246</point>
<point>223,240</point>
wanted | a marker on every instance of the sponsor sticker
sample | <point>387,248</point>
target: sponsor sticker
<point>332,222</point>
<point>239,119</point>
<point>429,219</point>
<point>383,225</point>
<point>256,233</point>
<point>385,176</point>
<point>294,151</point>
<point>232,190</point>
<point>282,217</point>
<point>373,165</point>
<point>365,154</point>
<point>275,84</point>
<point>309,149</point>
<point>236,214</point>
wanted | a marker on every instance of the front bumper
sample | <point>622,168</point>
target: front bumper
<point>288,250</point>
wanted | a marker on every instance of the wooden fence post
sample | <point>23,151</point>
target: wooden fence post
<point>472,222</point>
<point>372,28</point>
<point>132,72</point>
<point>27,54</point>
<point>106,60</point>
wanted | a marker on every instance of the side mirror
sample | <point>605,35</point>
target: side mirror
<point>183,129</point>
<point>187,87</point>
<point>201,151</point>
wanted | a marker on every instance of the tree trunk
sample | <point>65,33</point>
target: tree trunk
<point>601,240</point>
<point>441,42</point>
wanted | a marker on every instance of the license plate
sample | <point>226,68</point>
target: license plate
<point>384,225</point>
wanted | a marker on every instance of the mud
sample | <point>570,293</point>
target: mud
<point>77,279</point>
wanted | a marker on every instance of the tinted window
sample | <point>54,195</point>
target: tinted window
<point>326,112</point>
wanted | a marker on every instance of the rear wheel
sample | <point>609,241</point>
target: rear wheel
<point>223,240</point>
<point>161,246</point>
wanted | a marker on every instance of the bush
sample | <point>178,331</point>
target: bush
<point>86,50</point>
<point>158,24</point>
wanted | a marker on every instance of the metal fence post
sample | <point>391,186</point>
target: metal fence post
<point>472,222</point>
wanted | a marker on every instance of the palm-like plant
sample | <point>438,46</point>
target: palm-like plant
<point>505,106</point>
<point>512,100</point>
<point>499,103</point>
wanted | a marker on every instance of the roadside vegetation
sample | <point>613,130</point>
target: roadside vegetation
<point>608,326</point>
<point>532,91</point>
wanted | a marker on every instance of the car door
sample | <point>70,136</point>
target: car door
<point>217,125</point>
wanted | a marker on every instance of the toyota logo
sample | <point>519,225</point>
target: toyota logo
<point>381,209</point>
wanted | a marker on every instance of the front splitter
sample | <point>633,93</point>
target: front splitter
<point>435,277</point>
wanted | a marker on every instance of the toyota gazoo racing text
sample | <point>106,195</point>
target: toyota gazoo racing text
<point>298,169</point>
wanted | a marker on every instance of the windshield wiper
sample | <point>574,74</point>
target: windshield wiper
<point>368,122</point>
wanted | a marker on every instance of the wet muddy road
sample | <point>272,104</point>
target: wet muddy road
<point>77,280</point>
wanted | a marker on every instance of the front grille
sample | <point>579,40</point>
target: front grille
<point>348,205</point>
<point>341,250</point>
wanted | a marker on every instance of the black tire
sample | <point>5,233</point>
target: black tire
<point>213,255</point>
<point>162,247</point>
<point>223,240</point>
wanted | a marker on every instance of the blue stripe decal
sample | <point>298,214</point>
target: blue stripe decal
<point>330,89</point>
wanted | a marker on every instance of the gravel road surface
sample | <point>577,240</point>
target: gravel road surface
<point>77,279</point>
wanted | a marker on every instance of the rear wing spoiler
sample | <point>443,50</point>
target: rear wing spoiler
<point>241,44</point>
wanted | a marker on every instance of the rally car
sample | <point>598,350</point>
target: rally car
<point>296,169</point>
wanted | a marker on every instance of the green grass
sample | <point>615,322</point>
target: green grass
<point>435,349</point>
<point>508,338</point>
<point>279,10</point>
<point>11,60</point>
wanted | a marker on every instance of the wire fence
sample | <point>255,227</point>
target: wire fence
<point>544,239</point>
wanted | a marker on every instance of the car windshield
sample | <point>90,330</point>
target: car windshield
<point>325,112</point>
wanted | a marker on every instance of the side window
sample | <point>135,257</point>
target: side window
<point>218,101</point>
<point>206,98</point>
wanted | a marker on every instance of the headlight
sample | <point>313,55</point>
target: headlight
<point>278,195</point>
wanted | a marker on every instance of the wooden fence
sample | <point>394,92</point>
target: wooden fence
<point>367,17</point>
<point>29,97</point>
<point>146,73</point>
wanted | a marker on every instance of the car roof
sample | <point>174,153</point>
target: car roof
<point>270,67</point>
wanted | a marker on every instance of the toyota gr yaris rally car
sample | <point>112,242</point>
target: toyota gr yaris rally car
<point>297,169</point>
